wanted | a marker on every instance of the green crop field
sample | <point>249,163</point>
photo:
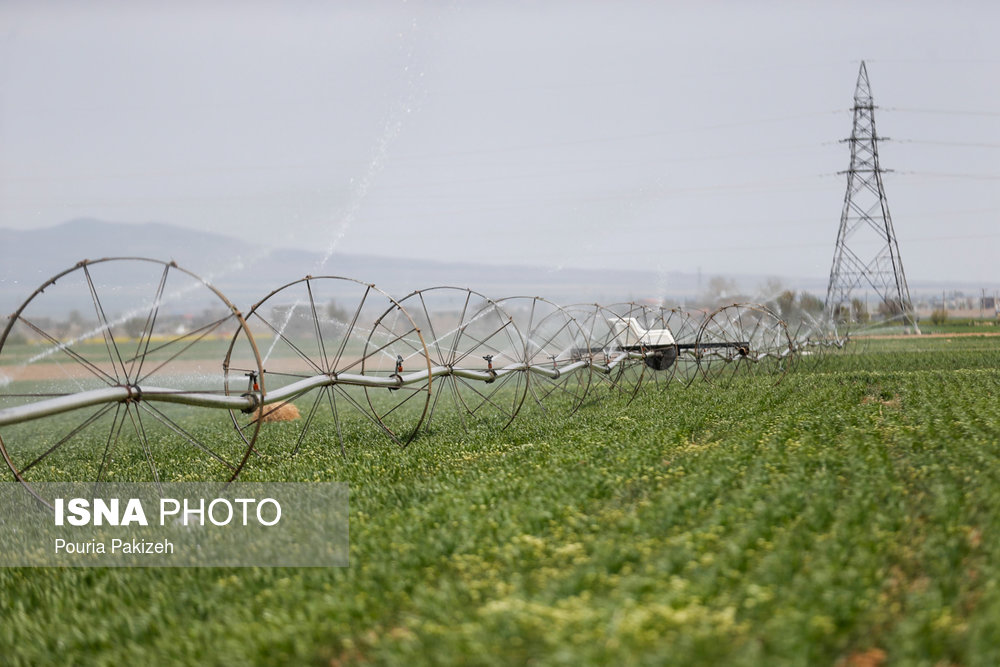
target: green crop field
<point>850,514</point>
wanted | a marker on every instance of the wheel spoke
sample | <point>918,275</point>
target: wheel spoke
<point>350,327</point>
<point>281,336</point>
<point>482,344</point>
<point>488,399</point>
<point>367,415</point>
<point>109,340</point>
<point>377,351</point>
<point>184,349</point>
<point>414,391</point>
<point>179,430</point>
<point>147,329</point>
<point>309,418</point>
<point>78,429</point>
<point>336,417</point>
<point>316,328</point>
<point>116,428</point>
<point>435,341</point>
<point>64,347</point>
<point>140,433</point>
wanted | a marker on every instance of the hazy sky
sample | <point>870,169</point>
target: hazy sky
<point>662,136</point>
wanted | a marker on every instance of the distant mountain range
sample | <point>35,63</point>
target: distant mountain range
<point>246,272</point>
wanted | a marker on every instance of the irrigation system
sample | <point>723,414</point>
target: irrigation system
<point>120,386</point>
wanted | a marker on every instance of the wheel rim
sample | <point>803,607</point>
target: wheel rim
<point>743,340</point>
<point>611,348</point>
<point>122,324</point>
<point>466,331</point>
<point>332,326</point>
<point>551,342</point>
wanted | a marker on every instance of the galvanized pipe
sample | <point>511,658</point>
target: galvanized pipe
<point>249,402</point>
<point>120,394</point>
<point>556,373</point>
<point>55,406</point>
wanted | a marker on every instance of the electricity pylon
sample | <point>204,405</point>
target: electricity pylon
<point>867,255</point>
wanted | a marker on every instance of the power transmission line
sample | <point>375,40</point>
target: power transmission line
<point>864,223</point>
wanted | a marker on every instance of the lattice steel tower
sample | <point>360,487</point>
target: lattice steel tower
<point>867,255</point>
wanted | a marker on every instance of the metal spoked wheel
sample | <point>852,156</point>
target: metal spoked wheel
<point>321,339</point>
<point>560,375</point>
<point>125,352</point>
<point>685,330</point>
<point>811,338</point>
<point>659,347</point>
<point>477,353</point>
<point>614,349</point>
<point>743,340</point>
